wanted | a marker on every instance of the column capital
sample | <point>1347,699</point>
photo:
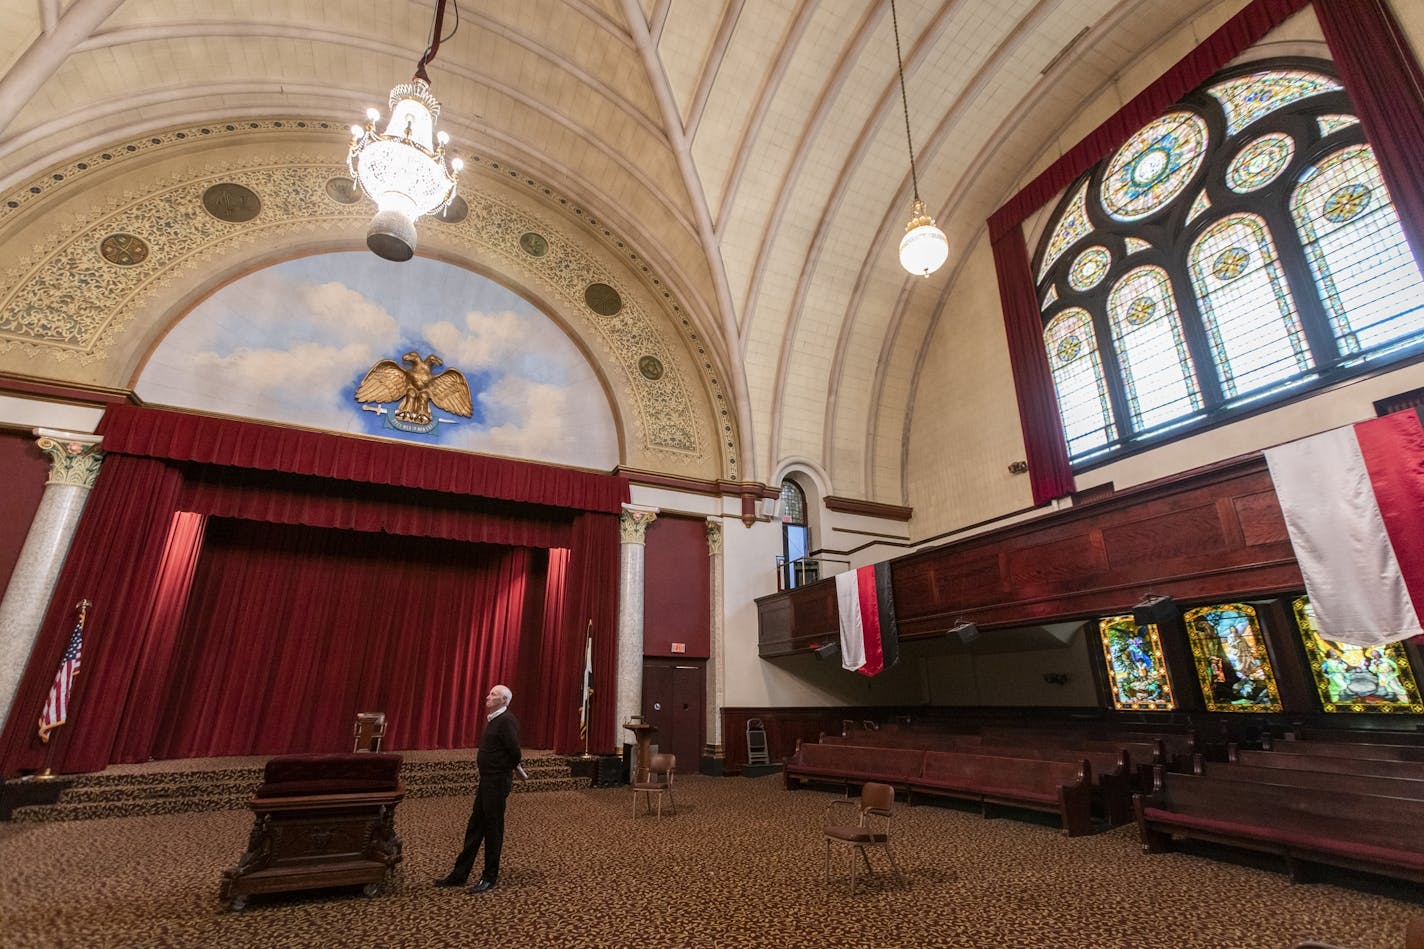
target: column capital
<point>633,523</point>
<point>714,537</point>
<point>74,458</point>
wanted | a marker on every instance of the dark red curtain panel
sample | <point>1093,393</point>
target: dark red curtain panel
<point>115,561</point>
<point>291,631</point>
<point>590,593</point>
<point>281,498</point>
<point>1050,474</point>
<point>1047,453</point>
<point>1387,86</point>
<point>181,437</point>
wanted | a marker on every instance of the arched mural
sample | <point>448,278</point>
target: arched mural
<point>293,343</point>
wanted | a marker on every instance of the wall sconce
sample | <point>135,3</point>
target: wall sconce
<point>1018,467</point>
<point>965,630</point>
<point>1154,610</point>
<point>827,651</point>
<point>1056,678</point>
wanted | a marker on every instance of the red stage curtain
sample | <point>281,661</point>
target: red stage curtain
<point>590,593</point>
<point>1387,86</point>
<point>291,631</point>
<point>1048,465</point>
<point>202,438</point>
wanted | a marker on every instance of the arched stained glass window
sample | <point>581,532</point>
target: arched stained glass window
<point>1078,379</point>
<point>1147,333</point>
<point>1277,264</point>
<point>1351,678</point>
<point>1358,254</point>
<point>1253,96</point>
<point>1246,307</point>
<point>1232,664</point>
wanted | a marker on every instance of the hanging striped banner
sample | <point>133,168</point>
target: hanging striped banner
<point>870,642</point>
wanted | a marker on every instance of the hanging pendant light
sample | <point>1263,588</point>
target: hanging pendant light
<point>924,248</point>
<point>403,168</point>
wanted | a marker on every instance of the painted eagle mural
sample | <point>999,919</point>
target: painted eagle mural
<point>416,388</point>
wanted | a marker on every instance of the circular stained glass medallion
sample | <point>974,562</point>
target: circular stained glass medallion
<point>1089,268</point>
<point>1346,202</point>
<point>1230,263</point>
<point>1068,348</point>
<point>1154,166</point>
<point>1260,162</point>
<point>1141,310</point>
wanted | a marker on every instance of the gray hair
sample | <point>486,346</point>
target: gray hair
<point>504,691</point>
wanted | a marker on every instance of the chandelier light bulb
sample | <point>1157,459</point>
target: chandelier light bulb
<point>357,131</point>
<point>373,115</point>
<point>458,165</point>
<point>924,248</point>
<point>442,138</point>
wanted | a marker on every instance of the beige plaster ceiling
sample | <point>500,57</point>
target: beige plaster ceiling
<point>751,152</point>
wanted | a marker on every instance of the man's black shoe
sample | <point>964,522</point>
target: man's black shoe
<point>483,886</point>
<point>449,881</point>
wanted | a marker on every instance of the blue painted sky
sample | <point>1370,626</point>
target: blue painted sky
<point>290,344</point>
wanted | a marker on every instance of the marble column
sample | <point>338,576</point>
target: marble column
<point>716,670</point>
<point>74,464</point>
<point>633,526</point>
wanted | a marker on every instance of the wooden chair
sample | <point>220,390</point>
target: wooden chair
<point>661,768</point>
<point>370,729</point>
<point>873,813</point>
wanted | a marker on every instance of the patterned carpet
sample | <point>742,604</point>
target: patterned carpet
<point>740,864</point>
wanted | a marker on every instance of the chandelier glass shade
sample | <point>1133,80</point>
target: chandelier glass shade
<point>402,169</point>
<point>924,248</point>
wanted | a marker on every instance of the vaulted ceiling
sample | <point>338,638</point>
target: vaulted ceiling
<point>751,154</point>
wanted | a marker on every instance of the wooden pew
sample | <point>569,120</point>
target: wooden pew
<point>1384,767</point>
<point>852,764</point>
<point>1306,828</point>
<point>1329,781</point>
<point>1059,787</point>
<point>1347,749</point>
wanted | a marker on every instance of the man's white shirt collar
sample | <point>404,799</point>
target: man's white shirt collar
<point>496,713</point>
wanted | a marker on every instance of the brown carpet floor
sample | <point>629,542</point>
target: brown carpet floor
<point>740,864</point>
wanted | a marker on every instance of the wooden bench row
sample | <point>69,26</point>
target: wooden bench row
<point>1064,788</point>
<point>1311,810</point>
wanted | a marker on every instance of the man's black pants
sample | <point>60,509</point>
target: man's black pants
<point>486,826</point>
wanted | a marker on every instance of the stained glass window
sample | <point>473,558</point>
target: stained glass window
<point>1367,277</point>
<point>1352,678</point>
<point>1154,166</point>
<point>1072,224</point>
<point>1233,667</point>
<point>1250,318</point>
<point>1260,162</point>
<point>1246,234</point>
<point>1147,333</point>
<point>1078,379</point>
<point>1137,673</point>
<point>1251,97</point>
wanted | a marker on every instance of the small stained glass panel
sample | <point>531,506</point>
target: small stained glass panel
<point>1350,678</point>
<point>1330,124</point>
<point>1260,162</point>
<point>1154,166</point>
<point>1248,98</point>
<point>1157,373</point>
<point>793,503</point>
<point>1089,268</point>
<point>1137,673</point>
<point>1199,207</point>
<point>1070,227</point>
<point>1233,667</point>
<point>1078,379</point>
<point>1135,244</point>
<point>1050,298</point>
<point>1363,268</point>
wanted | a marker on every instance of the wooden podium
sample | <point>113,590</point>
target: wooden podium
<point>643,732</point>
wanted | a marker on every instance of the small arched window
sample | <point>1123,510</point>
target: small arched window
<point>797,567</point>
<point>1235,252</point>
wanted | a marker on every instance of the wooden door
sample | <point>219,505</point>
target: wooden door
<point>674,700</point>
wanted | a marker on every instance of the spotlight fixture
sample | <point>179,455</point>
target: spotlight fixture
<point>828,650</point>
<point>403,168</point>
<point>924,248</point>
<point>1154,610</point>
<point>965,630</point>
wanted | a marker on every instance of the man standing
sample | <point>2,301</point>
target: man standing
<point>497,759</point>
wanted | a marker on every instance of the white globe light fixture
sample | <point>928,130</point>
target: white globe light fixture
<point>924,248</point>
<point>403,168</point>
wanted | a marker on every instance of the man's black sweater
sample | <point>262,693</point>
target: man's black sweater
<point>499,746</point>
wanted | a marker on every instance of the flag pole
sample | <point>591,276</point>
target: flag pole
<point>586,710</point>
<point>48,774</point>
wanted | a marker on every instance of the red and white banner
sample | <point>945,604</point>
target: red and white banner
<point>1353,500</point>
<point>870,640</point>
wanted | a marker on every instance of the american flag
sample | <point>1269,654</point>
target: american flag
<point>56,709</point>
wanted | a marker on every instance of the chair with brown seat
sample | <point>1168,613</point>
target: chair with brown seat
<point>871,827</point>
<point>661,768</point>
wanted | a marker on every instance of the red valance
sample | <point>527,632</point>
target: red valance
<point>178,436</point>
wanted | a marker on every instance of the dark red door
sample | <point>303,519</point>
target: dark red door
<point>674,701</point>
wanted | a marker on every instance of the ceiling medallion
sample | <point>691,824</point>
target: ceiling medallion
<point>533,244</point>
<point>456,211</point>
<point>651,368</point>
<point>602,299</point>
<point>342,190</point>
<point>126,250</point>
<point>232,203</point>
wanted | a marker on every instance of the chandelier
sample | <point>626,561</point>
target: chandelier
<point>403,168</point>
<point>924,248</point>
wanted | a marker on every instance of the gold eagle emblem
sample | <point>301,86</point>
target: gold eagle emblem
<point>416,388</point>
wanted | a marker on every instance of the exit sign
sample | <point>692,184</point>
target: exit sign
<point>679,647</point>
